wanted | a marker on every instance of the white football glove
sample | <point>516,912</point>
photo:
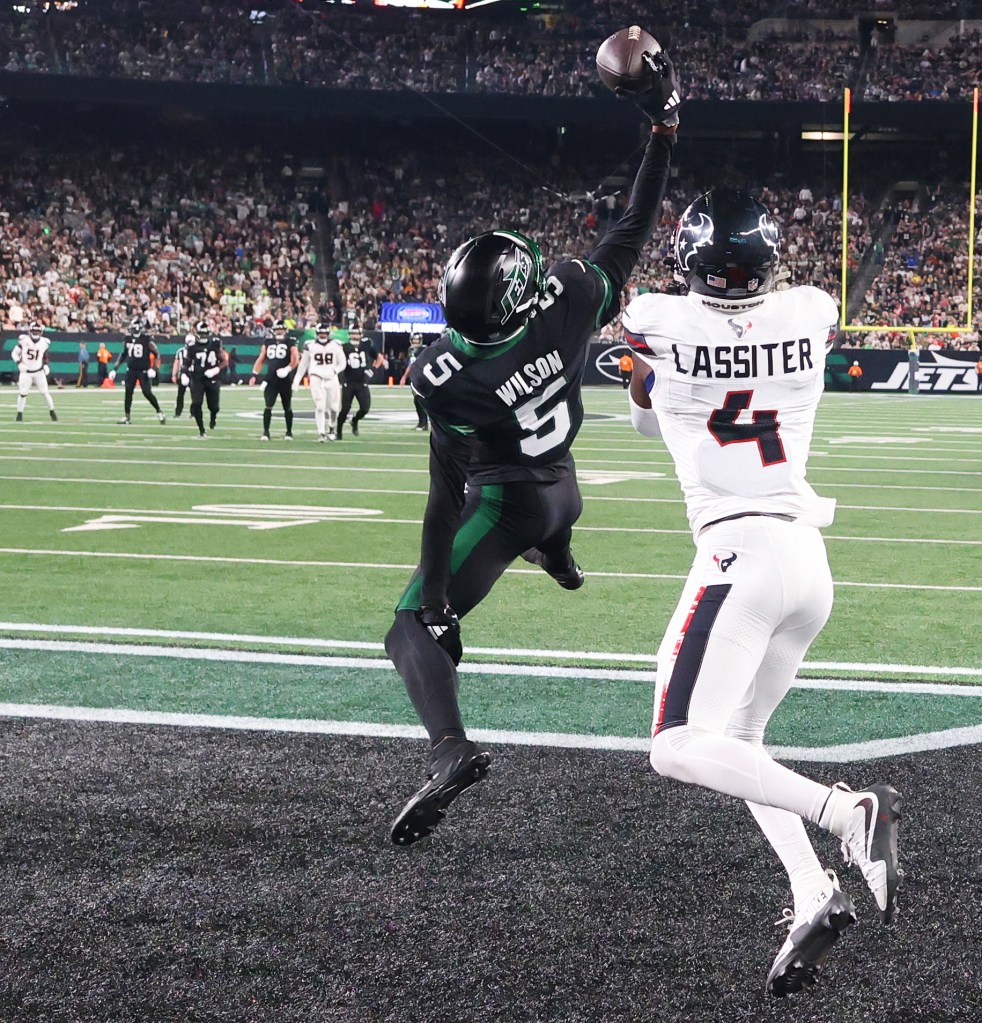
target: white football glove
<point>47,370</point>
<point>185,380</point>
<point>213,372</point>
<point>284,371</point>
<point>151,374</point>
<point>112,374</point>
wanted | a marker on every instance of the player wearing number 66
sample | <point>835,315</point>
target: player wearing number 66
<point>502,388</point>
<point>280,355</point>
<point>730,375</point>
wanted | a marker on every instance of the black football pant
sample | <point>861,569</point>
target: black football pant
<point>131,381</point>
<point>422,420</point>
<point>179,405</point>
<point>205,390</point>
<point>499,522</point>
<point>282,388</point>
<point>362,394</point>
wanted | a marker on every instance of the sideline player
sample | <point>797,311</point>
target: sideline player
<point>415,348</point>
<point>323,360</point>
<point>30,354</point>
<point>503,392</point>
<point>730,375</point>
<point>360,359</point>
<point>139,354</point>
<point>205,361</point>
<point>281,357</point>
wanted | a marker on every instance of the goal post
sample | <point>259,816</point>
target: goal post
<point>904,328</point>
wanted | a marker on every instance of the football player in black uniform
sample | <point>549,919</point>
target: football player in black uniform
<point>415,349</point>
<point>205,361</point>
<point>361,358</point>
<point>281,357</point>
<point>502,390</point>
<point>141,357</point>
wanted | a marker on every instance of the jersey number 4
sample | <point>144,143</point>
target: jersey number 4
<point>762,429</point>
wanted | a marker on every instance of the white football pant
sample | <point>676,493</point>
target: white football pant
<point>758,593</point>
<point>327,402</point>
<point>24,382</point>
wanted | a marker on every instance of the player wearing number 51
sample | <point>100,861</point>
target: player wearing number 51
<point>502,389</point>
<point>730,375</point>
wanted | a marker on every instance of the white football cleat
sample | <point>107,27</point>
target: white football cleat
<point>870,843</point>
<point>811,935</point>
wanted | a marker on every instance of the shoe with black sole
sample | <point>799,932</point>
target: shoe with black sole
<point>454,765</point>
<point>570,578</point>
<point>871,843</point>
<point>53,414</point>
<point>354,427</point>
<point>811,935</point>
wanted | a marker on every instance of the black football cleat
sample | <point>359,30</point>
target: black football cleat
<point>454,765</point>
<point>354,427</point>
<point>871,844</point>
<point>570,577</point>
<point>19,418</point>
<point>53,414</point>
<point>811,935</point>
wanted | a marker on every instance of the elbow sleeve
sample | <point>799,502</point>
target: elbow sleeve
<point>644,420</point>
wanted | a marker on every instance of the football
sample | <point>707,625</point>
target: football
<point>620,63</point>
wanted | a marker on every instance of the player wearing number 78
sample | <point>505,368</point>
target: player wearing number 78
<point>502,389</point>
<point>730,374</point>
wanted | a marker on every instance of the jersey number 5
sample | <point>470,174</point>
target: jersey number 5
<point>763,429</point>
<point>534,418</point>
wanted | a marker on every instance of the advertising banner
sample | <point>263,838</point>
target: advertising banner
<point>412,318</point>
<point>952,372</point>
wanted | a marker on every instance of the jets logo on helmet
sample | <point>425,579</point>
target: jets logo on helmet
<point>491,287</point>
<point>727,249</point>
<point>136,327</point>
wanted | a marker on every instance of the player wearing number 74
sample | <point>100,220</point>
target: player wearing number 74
<point>730,375</point>
<point>502,389</point>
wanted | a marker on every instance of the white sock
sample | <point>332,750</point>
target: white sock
<point>319,420</point>
<point>21,402</point>
<point>787,836</point>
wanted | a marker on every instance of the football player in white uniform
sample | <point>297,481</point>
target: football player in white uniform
<point>730,375</point>
<point>31,356</point>
<point>322,360</point>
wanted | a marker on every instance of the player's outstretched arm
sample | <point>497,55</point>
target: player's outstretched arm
<point>620,248</point>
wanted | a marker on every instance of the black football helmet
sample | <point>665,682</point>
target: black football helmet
<point>201,328</point>
<point>136,327</point>
<point>323,331</point>
<point>727,248</point>
<point>279,330</point>
<point>491,285</point>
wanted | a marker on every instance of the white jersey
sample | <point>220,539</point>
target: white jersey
<point>735,395</point>
<point>29,354</point>
<point>323,359</point>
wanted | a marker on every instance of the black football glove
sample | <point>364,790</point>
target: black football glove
<point>662,101</point>
<point>444,626</point>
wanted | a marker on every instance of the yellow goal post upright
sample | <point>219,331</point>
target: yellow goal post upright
<point>905,328</point>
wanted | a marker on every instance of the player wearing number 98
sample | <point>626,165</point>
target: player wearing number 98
<point>730,375</point>
<point>502,389</point>
<point>281,356</point>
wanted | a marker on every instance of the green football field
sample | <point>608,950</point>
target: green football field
<point>150,575</point>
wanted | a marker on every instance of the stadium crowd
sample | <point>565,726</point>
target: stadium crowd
<point>551,55</point>
<point>93,236</point>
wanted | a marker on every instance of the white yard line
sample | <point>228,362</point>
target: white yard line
<point>272,466</point>
<point>319,643</point>
<point>843,753</point>
<point>290,563</point>
<point>589,491</point>
<point>204,514</point>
